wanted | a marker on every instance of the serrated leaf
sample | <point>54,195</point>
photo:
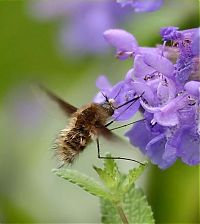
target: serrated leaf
<point>106,179</point>
<point>111,168</point>
<point>136,207</point>
<point>110,165</point>
<point>110,175</point>
<point>132,177</point>
<point>109,213</point>
<point>86,183</point>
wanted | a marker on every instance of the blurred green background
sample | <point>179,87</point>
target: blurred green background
<point>29,192</point>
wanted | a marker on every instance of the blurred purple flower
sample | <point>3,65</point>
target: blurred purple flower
<point>83,22</point>
<point>142,5</point>
<point>170,100</point>
<point>24,111</point>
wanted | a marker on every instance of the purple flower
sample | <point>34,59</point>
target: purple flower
<point>121,92</point>
<point>125,43</point>
<point>142,5</point>
<point>24,111</point>
<point>170,33</point>
<point>186,42</point>
<point>82,22</point>
<point>195,43</point>
<point>170,95</point>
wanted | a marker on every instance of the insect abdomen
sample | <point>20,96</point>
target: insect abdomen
<point>70,143</point>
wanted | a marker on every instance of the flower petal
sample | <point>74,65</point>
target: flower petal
<point>192,87</point>
<point>123,41</point>
<point>160,64</point>
<point>139,135</point>
<point>155,150</point>
<point>166,118</point>
<point>141,69</point>
<point>142,5</point>
<point>103,83</point>
<point>144,90</point>
<point>105,87</point>
<point>189,148</point>
<point>195,43</point>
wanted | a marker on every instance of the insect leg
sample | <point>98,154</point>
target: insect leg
<point>105,157</point>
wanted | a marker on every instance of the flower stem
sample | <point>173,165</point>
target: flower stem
<point>122,214</point>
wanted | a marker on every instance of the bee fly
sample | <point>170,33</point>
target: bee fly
<point>86,123</point>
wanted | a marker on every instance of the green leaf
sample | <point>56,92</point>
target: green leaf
<point>110,166</point>
<point>132,177</point>
<point>83,181</point>
<point>110,175</point>
<point>106,179</point>
<point>134,205</point>
<point>109,213</point>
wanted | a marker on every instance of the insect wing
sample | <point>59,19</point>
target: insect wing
<point>66,107</point>
<point>110,136</point>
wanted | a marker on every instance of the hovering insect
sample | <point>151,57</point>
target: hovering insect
<point>86,123</point>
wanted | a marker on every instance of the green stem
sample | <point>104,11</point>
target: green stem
<point>122,214</point>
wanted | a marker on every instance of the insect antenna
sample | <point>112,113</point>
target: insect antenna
<point>107,100</point>
<point>122,158</point>
<point>132,100</point>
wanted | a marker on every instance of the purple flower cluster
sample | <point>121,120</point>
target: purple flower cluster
<point>142,5</point>
<point>84,21</point>
<point>167,79</point>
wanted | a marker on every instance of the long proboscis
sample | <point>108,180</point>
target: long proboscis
<point>125,125</point>
<point>130,101</point>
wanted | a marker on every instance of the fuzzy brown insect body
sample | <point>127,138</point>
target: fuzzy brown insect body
<point>84,125</point>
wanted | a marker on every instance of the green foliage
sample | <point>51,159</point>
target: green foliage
<point>109,212</point>
<point>132,177</point>
<point>135,207</point>
<point>121,201</point>
<point>88,184</point>
<point>110,175</point>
